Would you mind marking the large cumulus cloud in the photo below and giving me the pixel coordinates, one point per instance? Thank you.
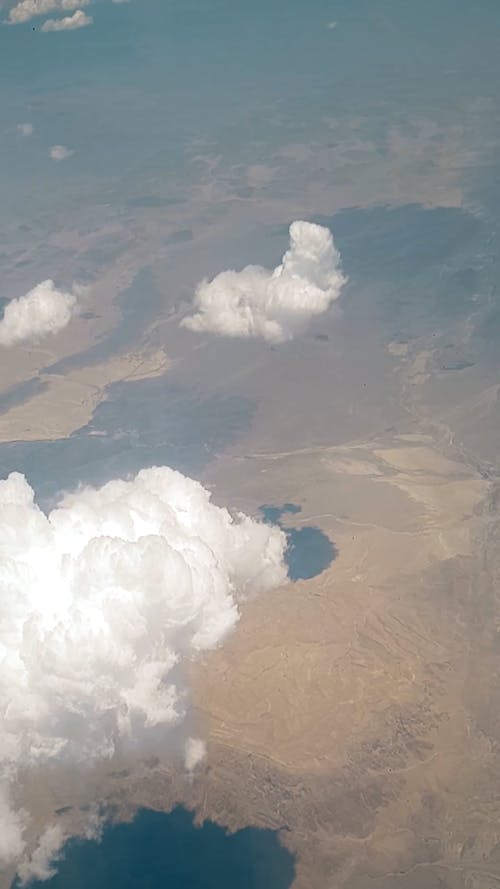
(103, 600)
(274, 305)
(42, 311)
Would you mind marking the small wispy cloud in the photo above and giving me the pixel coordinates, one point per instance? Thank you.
(195, 750)
(40, 864)
(25, 129)
(70, 23)
(60, 152)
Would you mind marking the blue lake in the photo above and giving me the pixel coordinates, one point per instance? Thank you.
(159, 851)
(309, 550)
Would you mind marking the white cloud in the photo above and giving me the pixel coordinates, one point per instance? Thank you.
(94, 824)
(43, 311)
(29, 9)
(40, 865)
(11, 826)
(70, 23)
(274, 305)
(25, 129)
(103, 601)
(195, 751)
(41, 862)
(60, 152)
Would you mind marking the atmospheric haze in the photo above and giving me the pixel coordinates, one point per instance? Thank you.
(275, 305)
(102, 599)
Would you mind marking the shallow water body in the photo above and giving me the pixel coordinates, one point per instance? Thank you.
(309, 550)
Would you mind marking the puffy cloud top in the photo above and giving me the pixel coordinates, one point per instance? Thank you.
(101, 599)
(42, 311)
(274, 305)
(79, 19)
(26, 10)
